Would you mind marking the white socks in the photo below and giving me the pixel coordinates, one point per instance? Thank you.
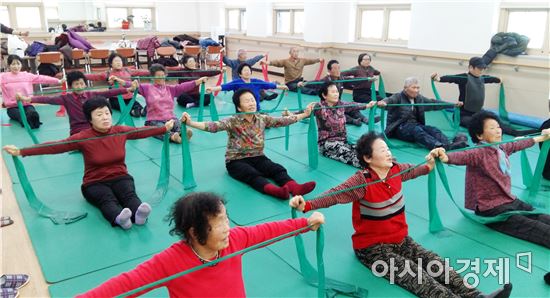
(124, 219)
(142, 213)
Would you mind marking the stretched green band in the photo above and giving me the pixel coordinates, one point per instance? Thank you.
(312, 150)
(338, 81)
(300, 105)
(213, 109)
(201, 103)
(381, 87)
(26, 125)
(188, 179)
(279, 100)
(317, 278)
(164, 176)
(456, 122)
(502, 112)
(537, 176)
(372, 113)
(56, 216)
(123, 108)
(287, 134)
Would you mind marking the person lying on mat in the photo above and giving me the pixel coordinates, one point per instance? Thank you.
(244, 157)
(332, 137)
(471, 88)
(293, 68)
(15, 81)
(488, 188)
(246, 81)
(201, 222)
(122, 75)
(74, 100)
(381, 230)
(106, 183)
(353, 116)
(160, 101)
(408, 123)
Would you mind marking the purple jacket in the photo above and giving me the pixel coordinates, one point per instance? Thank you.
(79, 42)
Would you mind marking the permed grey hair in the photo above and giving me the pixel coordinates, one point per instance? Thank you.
(410, 81)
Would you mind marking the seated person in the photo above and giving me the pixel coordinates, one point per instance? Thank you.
(362, 89)
(488, 188)
(471, 88)
(191, 72)
(379, 220)
(408, 123)
(244, 158)
(331, 125)
(200, 221)
(106, 183)
(73, 101)
(246, 81)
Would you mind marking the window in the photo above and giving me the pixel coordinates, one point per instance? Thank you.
(289, 22)
(236, 19)
(532, 23)
(143, 17)
(5, 16)
(384, 24)
(52, 13)
(28, 17)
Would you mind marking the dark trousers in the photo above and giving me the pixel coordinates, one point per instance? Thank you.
(114, 103)
(112, 196)
(533, 228)
(185, 99)
(293, 86)
(32, 116)
(466, 117)
(158, 123)
(408, 255)
(255, 171)
(425, 135)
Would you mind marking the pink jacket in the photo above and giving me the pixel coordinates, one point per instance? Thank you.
(160, 99)
(21, 82)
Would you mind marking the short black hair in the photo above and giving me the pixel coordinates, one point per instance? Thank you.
(112, 57)
(324, 89)
(94, 103)
(14, 57)
(240, 69)
(364, 146)
(329, 65)
(477, 121)
(193, 211)
(361, 56)
(186, 58)
(237, 97)
(74, 76)
(156, 67)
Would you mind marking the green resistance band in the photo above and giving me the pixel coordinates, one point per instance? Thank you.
(533, 181)
(337, 81)
(26, 125)
(56, 216)
(188, 179)
(209, 264)
(201, 103)
(502, 112)
(279, 100)
(325, 286)
(312, 150)
(164, 177)
(123, 118)
(438, 97)
(381, 87)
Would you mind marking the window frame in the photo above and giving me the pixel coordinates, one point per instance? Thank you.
(503, 26)
(242, 10)
(129, 12)
(13, 15)
(292, 33)
(385, 40)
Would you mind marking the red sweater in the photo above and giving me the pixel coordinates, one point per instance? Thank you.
(103, 157)
(221, 280)
(378, 210)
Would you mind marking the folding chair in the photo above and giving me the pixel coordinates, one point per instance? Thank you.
(97, 60)
(55, 58)
(194, 51)
(79, 60)
(213, 56)
(128, 57)
(168, 52)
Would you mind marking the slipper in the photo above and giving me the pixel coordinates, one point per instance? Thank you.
(13, 281)
(9, 293)
(5, 221)
(5, 218)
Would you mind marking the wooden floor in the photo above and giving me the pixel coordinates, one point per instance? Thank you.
(18, 255)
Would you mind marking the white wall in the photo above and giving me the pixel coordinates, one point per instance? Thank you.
(177, 16)
(453, 25)
(259, 18)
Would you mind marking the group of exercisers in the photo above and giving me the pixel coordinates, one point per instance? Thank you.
(200, 219)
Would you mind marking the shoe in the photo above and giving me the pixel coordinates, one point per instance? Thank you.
(271, 96)
(356, 122)
(455, 145)
(144, 111)
(460, 137)
(5, 221)
(136, 112)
